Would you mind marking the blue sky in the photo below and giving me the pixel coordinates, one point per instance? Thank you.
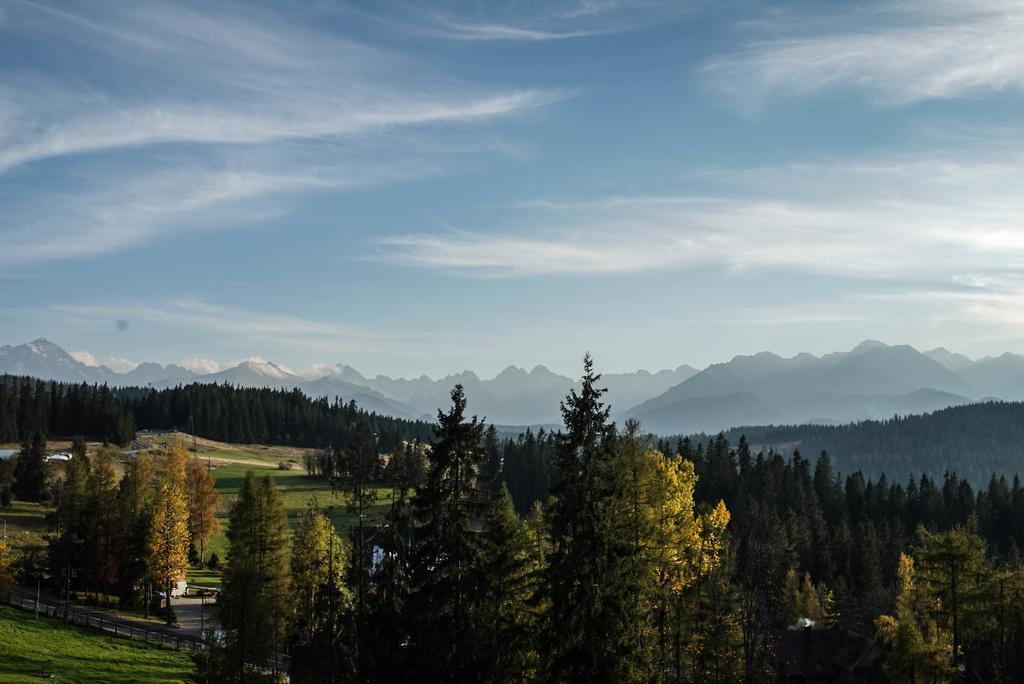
(426, 187)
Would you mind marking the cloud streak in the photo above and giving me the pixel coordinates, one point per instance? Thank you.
(191, 118)
(538, 21)
(911, 218)
(901, 53)
(222, 79)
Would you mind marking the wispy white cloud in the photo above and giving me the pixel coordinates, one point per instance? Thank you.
(540, 21)
(194, 117)
(108, 215)
(898, 52)
(214, 77)
(916, 218)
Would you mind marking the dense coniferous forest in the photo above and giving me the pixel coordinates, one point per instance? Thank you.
(261, 416)
(221, 412)
(29, 406)
(975, 440)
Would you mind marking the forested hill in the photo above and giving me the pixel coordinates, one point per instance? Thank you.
(221, 412)
(974, 440)
(262, 416)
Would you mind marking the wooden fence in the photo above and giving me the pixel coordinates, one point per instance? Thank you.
(118, 628)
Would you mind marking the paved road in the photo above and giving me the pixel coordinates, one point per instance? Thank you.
(193, 616)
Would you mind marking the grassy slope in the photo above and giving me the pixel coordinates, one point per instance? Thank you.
(296, 490)
(77, 654)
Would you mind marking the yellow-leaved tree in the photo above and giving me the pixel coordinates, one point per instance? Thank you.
(202, 504)
(167, 542)
(319, 562)
(920, 647)
(679, 547)
(7, 567)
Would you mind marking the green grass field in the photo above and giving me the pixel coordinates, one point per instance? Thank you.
(76, 654)
(26, 524)
(296, 490)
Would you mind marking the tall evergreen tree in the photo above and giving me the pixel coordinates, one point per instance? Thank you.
(254, 601)
(30, 469)
(446, 549)
(356, 472)
(589, 617)
(507, 617)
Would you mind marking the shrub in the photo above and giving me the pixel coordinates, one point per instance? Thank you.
(214, 561)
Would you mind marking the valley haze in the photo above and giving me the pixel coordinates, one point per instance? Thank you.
(871, 381)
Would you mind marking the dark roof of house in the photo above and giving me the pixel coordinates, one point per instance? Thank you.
(825, 655)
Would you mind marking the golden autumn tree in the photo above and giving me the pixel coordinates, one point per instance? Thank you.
(7, 567)
(202, 504)
(319, 562)
(920, 647)
(167, 541)
(678, 547)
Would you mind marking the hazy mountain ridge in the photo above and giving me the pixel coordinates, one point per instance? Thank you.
(872, 380)
(514, 397)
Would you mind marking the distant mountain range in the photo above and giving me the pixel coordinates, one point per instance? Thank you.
(872, 380)
(513, 397)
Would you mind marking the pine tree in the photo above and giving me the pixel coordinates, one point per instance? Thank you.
(388, 632)
(135, 502)
(30, 469)
(68, 548)
(358, 463)
(446, 549)
(589, 612)
(104, 533)
(507, 619)
(254, 600)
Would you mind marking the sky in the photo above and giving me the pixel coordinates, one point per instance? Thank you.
(427, 187)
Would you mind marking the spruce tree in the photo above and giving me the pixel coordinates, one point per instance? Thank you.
(446, 549)
(387, 606)
(254, 600)
(356, 471)
(30, 469)
(588, 621)
(507, 618)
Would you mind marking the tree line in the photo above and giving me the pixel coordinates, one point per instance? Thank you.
(248, 415)
(29, 406)
(975, 440)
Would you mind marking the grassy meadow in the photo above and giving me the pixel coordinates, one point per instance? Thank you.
(84, 656)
